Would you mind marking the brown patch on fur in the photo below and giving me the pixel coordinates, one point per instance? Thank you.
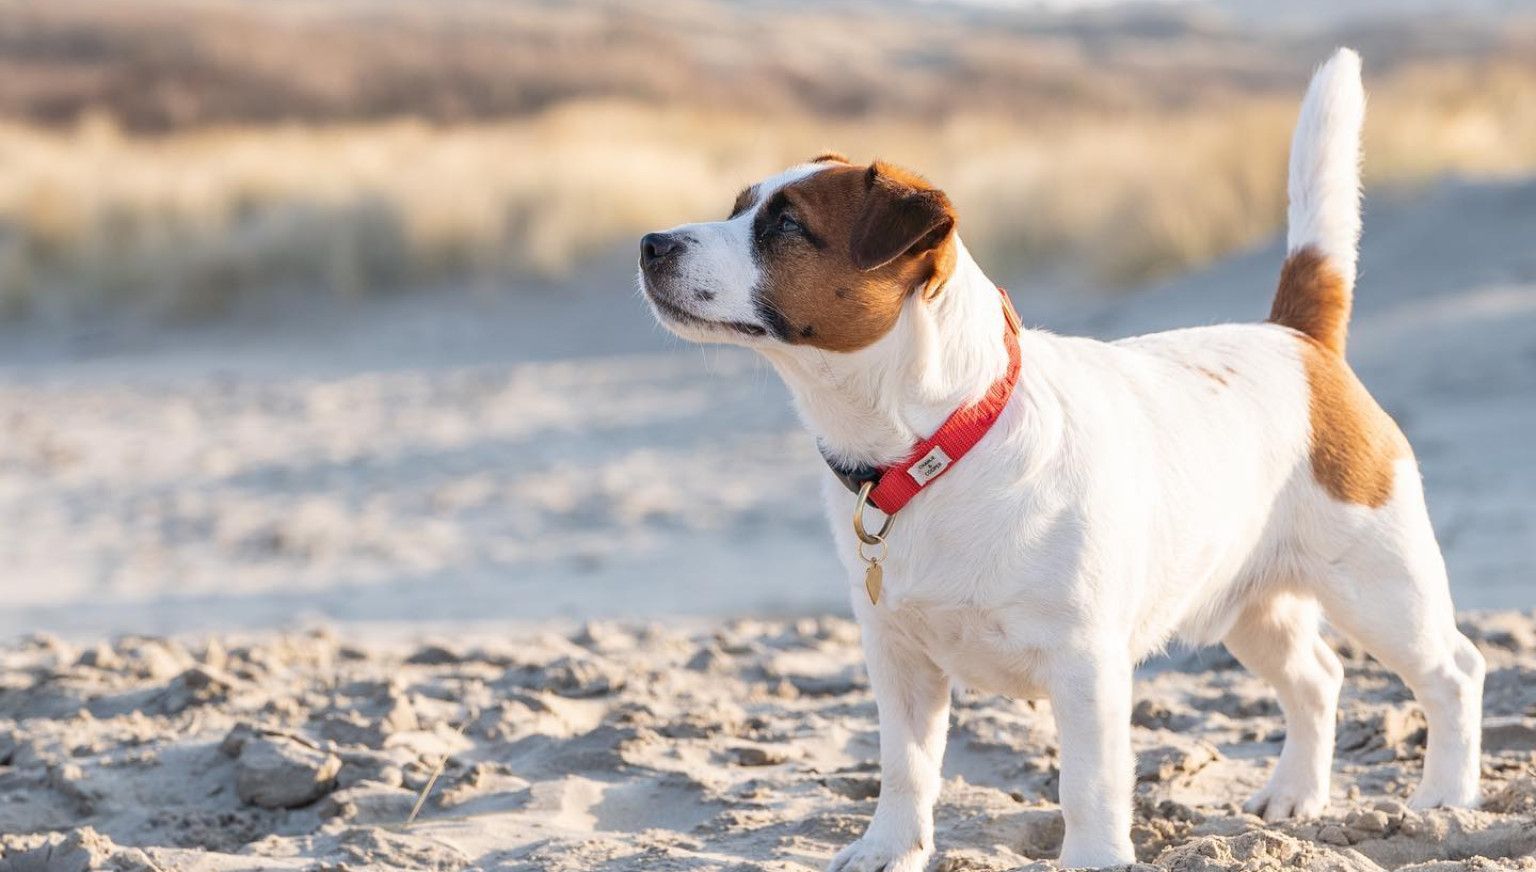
(1213, 375)
(830, 157)
(744, 200)
(1354, 442)
(872, 236)
(1313, 298)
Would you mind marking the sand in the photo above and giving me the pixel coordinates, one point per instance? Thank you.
(750, 746)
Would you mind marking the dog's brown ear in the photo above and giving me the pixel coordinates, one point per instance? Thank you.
(902, 214)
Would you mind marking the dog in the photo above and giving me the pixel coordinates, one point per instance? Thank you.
(1230, 483)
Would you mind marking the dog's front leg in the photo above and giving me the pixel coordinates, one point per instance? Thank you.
(1091, 696)
(912, 696)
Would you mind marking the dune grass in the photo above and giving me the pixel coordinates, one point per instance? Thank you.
(186, 224)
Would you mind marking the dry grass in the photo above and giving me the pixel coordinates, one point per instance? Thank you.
(188, 223)
(264, 147)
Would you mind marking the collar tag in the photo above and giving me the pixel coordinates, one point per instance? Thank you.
(928, 467)
(882, 488)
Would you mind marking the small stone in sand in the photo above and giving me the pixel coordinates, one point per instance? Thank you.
(275, 772)
(1166, 762)
(755, 756)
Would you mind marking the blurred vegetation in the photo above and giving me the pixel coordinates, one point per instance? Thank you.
(179, 157)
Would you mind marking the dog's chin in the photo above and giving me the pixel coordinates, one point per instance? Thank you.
(694, 327)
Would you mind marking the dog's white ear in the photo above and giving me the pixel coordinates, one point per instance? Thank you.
(902, 215)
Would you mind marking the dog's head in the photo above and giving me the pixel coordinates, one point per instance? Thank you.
(822, 255)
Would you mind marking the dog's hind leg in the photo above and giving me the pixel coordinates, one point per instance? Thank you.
(1390, 594)
(1276, 637)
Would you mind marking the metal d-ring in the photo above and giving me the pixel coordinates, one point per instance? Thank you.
(858, 518)
(885, 549)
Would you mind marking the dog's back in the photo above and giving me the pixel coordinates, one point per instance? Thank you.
(1277, 457)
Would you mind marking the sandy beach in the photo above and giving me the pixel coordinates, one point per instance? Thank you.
(356, 514)
(625, 746)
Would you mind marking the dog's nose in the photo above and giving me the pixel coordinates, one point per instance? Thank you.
(657, 247)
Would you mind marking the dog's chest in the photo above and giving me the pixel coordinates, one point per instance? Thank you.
(992, 650)
(979, 592)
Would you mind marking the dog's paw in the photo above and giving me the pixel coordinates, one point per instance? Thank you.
(1116, 852)
(879, 855)
(1449, 795)
(1283, 798)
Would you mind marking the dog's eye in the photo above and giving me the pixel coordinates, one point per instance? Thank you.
(788, 224)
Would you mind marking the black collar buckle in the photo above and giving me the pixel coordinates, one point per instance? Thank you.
(852, 479)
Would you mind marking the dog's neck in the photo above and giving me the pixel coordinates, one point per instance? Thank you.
(871, 406)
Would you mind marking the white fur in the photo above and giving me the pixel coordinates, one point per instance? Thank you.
(1324, 187)
(1131, 493)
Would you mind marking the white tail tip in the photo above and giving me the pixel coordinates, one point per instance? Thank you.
(1324, 184)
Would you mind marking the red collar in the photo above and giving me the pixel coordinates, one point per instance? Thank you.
(929, 459)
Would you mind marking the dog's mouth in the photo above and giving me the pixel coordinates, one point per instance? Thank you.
(670, 311)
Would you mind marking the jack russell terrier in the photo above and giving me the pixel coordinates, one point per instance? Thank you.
(1044, 511)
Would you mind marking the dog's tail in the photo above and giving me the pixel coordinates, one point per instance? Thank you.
(1318, 280)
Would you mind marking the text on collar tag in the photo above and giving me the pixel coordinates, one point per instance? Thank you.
(927, 468)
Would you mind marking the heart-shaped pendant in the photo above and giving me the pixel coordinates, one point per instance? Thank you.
(874, 578)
